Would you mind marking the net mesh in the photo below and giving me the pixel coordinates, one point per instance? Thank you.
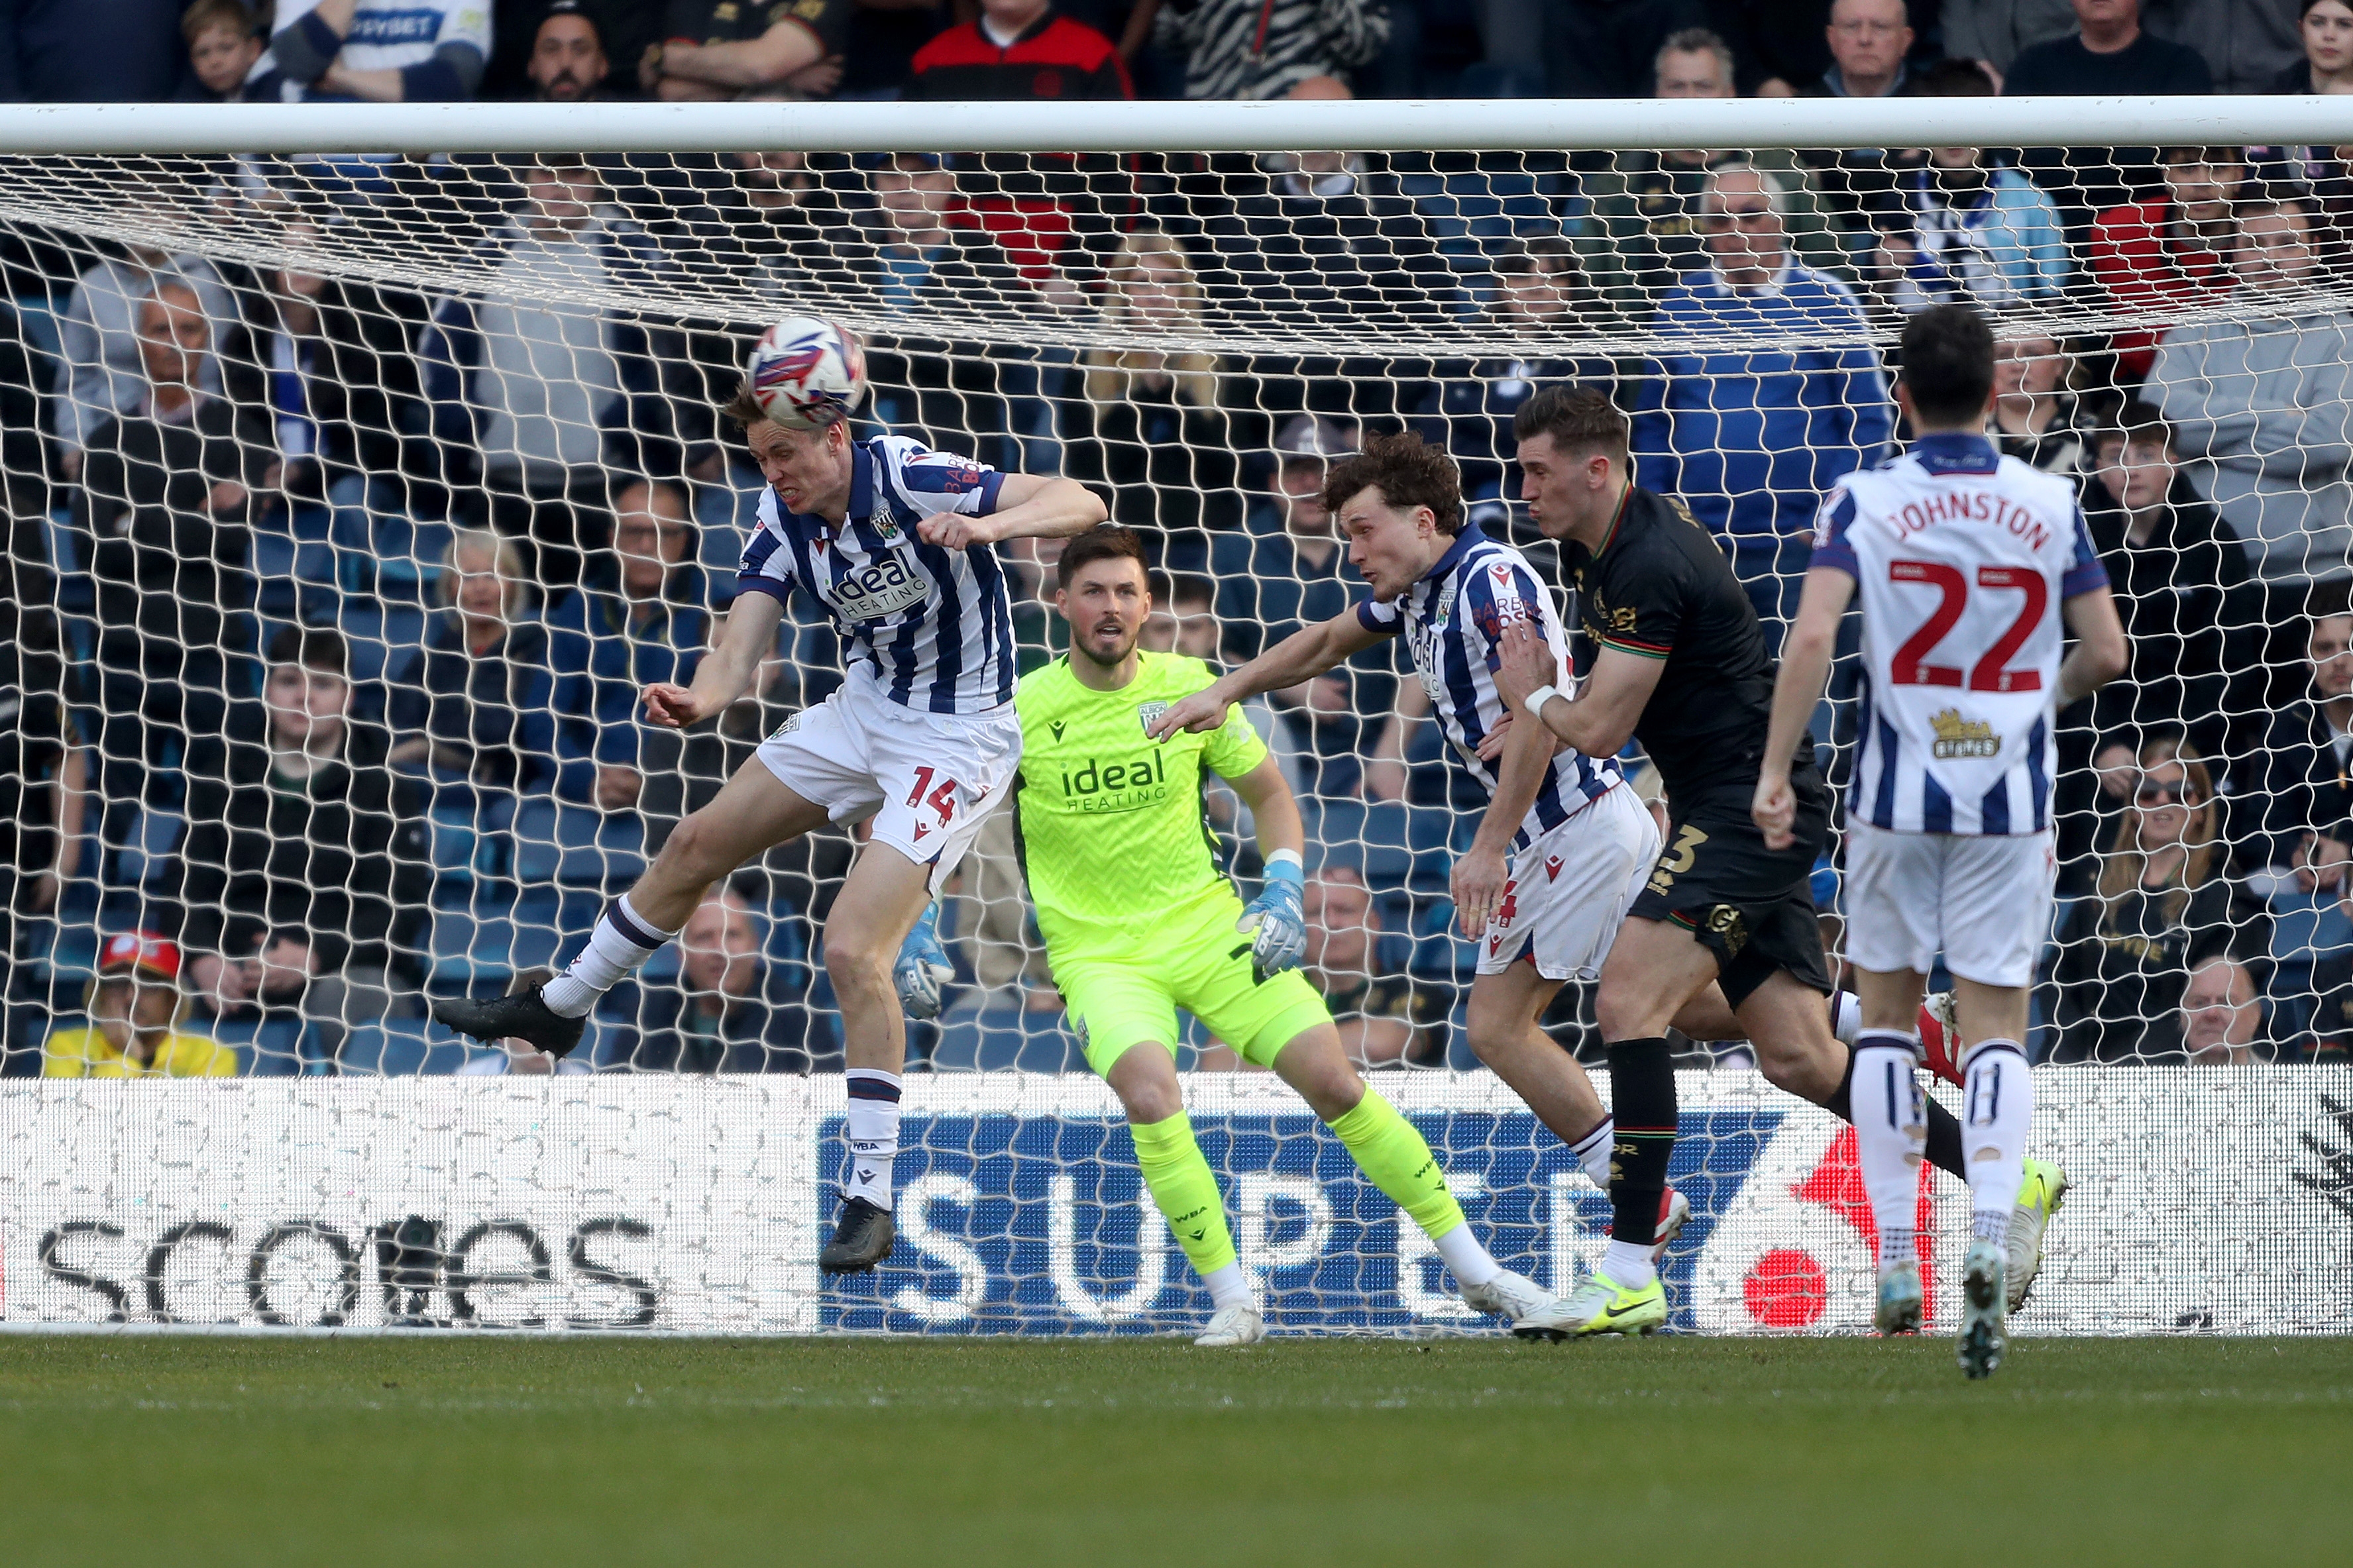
(388, 354)
(403, 348)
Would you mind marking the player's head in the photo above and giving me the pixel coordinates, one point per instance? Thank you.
(809, 469)
(1572, 453)
(1101, 589)
(1398, 503)
(1947, 384)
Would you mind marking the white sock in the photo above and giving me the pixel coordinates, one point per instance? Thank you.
(1846, 1018)
(871, 1127)
(1592, 1152)
(1998, 1110)
(1228, 1287)
(1891, 1134)
(1470, 1260)
(1629, 1264)
(622, 941)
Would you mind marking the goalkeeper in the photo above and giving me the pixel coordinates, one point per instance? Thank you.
(1138, 921)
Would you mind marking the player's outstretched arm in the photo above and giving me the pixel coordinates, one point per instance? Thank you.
(1599, 720)
(1477, 882)
(1277, 917)
(2101, 653)
(1027, 506)
(1302, 656)
(727, 672)
(1806, 656)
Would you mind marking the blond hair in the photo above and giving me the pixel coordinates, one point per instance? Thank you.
(2122, 869)
(501, 549)
(1110, 371)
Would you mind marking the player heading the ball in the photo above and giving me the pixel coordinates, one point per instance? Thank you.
(896, 544)
(1139, 922)
(1971, 568)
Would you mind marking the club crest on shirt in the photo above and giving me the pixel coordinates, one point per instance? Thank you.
(887, 527)
(1445, 606)
(1148, 713)
(1606, 617)
(1959, 737)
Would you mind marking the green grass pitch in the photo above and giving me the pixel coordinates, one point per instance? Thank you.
(949, 1453)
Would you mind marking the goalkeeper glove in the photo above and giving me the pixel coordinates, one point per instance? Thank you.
(922, 967)
(1277, 918)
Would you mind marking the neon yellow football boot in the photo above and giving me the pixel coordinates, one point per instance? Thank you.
(1599, 1306)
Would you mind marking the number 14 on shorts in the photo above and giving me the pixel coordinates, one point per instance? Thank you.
(942, 800)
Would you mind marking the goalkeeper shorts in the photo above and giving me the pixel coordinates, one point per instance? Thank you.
(1199, 962)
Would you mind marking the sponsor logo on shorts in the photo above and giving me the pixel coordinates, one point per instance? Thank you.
(1959, 737)
(1724, 921)
(1552, 868)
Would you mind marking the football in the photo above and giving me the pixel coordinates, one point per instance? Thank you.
(807, 373)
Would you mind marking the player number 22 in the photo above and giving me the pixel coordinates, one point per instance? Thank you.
(1909, 666)
(943, 799)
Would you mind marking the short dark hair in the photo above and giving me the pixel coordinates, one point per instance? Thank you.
(1546, 253)
(1191, 587)
(1953, 79)
(1105, 542)
(1947, 359)
(1576, 417)
(1408, 472)
(313, 647)
(2134, 422)
(207, 14)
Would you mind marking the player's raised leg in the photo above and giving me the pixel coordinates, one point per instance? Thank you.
(754, 812)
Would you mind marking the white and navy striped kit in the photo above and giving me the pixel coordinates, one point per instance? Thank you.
(1962, 560)
(935, 626)
(1451, 620)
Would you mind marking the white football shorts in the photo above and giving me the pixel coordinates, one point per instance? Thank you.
(1981, 899)
(928, 780)
(1569, 890)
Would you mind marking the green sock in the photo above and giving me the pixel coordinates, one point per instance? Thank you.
(1185, 1190)
(1397, 1159)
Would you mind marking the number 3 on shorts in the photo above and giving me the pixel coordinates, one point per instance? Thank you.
(1679, 857)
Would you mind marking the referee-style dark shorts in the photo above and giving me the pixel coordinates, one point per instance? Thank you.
(1751, 906)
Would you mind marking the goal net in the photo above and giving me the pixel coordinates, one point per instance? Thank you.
(353, 498)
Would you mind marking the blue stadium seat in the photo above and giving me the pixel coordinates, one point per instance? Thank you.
(402, 1048)
(383, 638)
(470, 940)
(996, 1039)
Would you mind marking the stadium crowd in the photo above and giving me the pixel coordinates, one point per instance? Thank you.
(331, 600)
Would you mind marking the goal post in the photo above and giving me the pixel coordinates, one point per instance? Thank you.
(408, 415)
